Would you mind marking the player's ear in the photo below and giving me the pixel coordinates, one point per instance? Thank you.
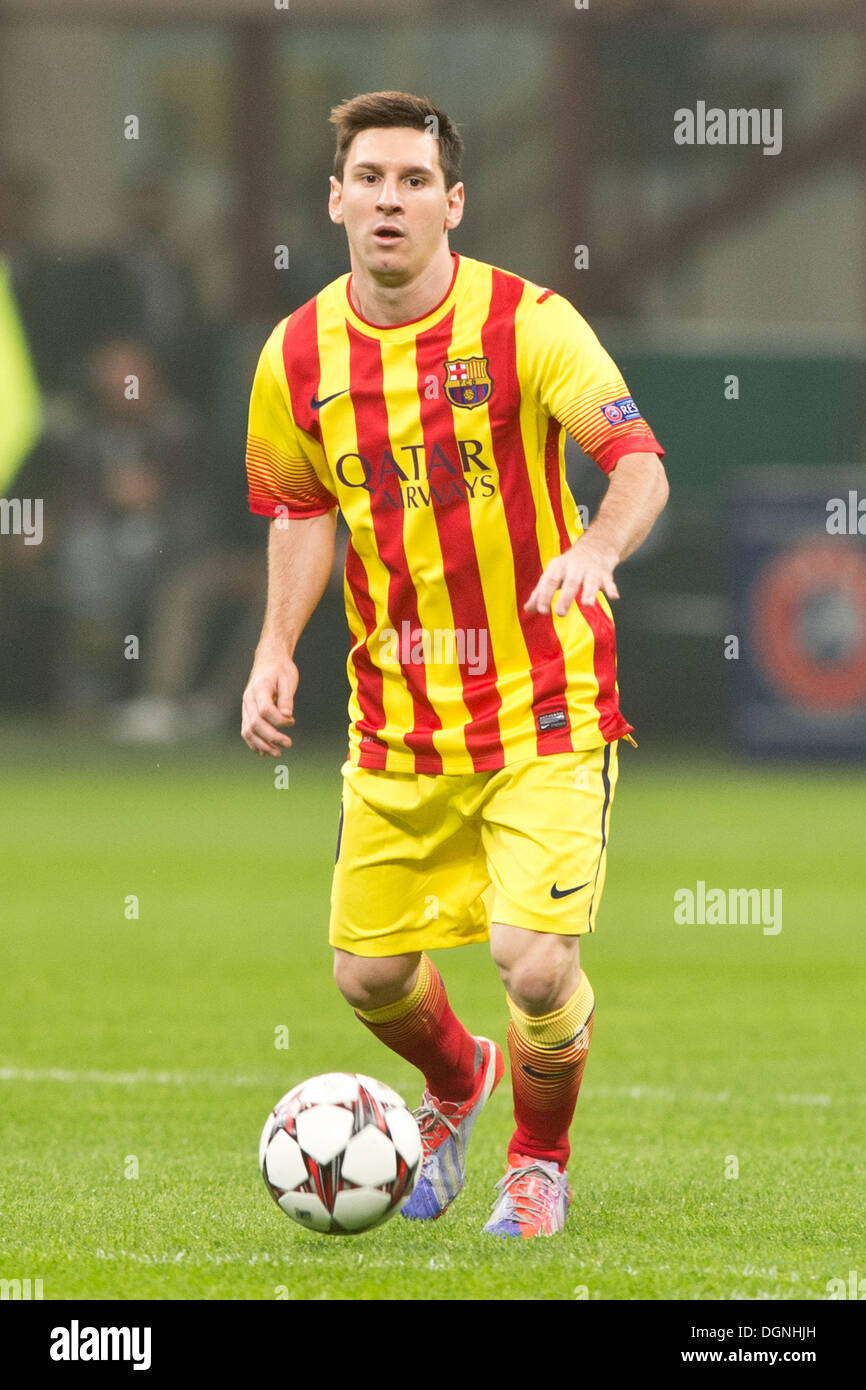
(454, 213)
(335, 200)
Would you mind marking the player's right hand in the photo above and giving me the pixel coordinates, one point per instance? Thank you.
(268, 704)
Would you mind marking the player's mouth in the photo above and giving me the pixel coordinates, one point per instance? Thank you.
(387, 235)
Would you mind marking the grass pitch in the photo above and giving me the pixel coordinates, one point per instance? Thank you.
(717, 1150)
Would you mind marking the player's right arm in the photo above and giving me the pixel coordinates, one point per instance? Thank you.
(288, 481)
(300, 558)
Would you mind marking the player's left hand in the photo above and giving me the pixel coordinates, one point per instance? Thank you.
(580, 572)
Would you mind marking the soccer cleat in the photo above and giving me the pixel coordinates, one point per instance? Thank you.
(533, 1201)
(445, 1131)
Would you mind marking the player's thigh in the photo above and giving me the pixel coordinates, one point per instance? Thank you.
(545, 830)
(410, 873)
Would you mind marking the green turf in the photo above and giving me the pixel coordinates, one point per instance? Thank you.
(711, 1042)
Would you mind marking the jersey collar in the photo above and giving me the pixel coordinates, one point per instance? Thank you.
(395, 331)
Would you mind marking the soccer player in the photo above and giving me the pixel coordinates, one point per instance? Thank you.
(426, 396)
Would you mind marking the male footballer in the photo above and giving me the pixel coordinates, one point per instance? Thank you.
(426, 396)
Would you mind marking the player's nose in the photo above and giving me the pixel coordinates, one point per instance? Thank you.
(389, 198)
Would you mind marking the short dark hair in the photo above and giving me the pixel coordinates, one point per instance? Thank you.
(373, 110)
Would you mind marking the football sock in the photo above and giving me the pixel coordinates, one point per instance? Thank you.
(547, 1061)
(423, 1028)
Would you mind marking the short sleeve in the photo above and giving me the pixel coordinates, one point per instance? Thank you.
(577, 382)
(280, 473)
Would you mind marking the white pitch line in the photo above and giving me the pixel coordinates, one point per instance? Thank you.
(143, 1077)
(706, 1097)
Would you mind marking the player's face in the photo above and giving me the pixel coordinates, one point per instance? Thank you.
(393, 202)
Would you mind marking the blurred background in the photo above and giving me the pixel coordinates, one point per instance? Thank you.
(164, 893)
(152, 157)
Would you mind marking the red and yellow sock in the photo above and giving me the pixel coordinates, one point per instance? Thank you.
(547, 1060)
(423, 1028)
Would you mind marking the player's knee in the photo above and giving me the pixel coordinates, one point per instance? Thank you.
(541, 977)
(535, 988)
(371, 983)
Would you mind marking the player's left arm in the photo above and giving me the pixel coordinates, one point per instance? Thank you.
(636, 495)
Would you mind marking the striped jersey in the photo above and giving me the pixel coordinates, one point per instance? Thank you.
(442, 443)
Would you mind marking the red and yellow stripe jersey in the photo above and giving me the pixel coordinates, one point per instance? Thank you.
(441, 441)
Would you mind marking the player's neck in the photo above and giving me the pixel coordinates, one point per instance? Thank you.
(387, 305)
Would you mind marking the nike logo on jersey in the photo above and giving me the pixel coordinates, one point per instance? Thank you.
(317, 405)
(564, 892)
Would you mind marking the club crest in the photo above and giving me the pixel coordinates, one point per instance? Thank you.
(467, 381)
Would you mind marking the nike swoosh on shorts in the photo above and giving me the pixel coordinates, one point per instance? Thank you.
(564, 892)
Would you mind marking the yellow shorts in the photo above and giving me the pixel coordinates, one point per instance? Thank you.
(428, 861)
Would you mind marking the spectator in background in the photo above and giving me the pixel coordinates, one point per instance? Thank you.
(137, 541)
(74, 299)
(134, 509)
(166, 306)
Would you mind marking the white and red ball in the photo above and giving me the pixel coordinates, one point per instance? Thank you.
(340, 1153)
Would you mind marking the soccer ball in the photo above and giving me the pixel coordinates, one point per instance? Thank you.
(340, 1153)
